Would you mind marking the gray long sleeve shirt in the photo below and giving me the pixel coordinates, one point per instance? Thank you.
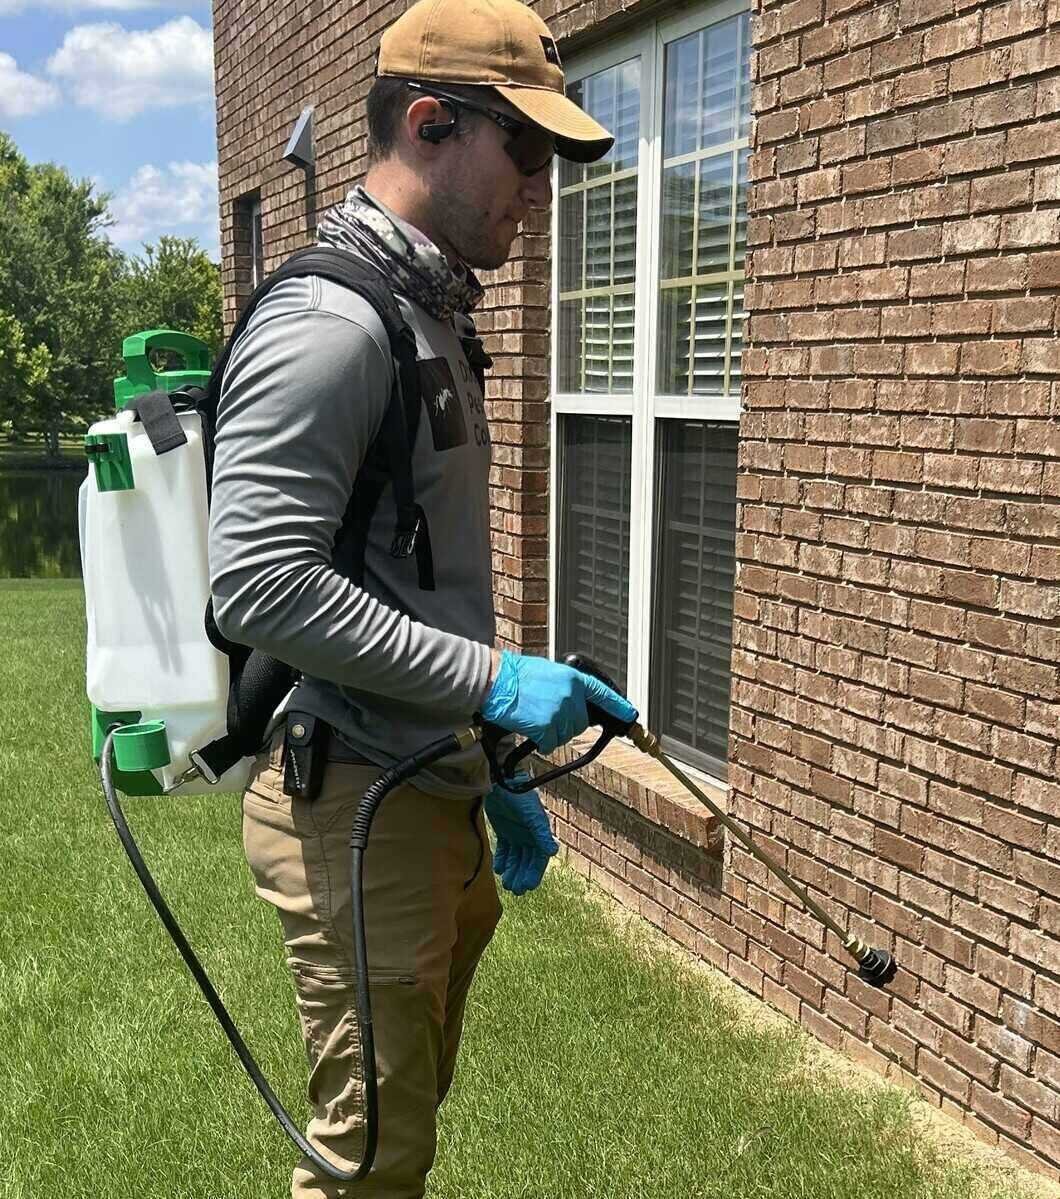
(302, 398)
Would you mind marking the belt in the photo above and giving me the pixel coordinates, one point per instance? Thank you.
(339, 751)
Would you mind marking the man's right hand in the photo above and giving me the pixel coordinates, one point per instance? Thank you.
(546, 701)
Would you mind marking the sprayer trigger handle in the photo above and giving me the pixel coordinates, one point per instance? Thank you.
(597, 716)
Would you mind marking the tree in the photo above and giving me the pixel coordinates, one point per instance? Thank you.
(59, 280)
(73, 297)
(175, 286)
(22, 372)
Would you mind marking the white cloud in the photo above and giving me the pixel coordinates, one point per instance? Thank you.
(23, 95)
(120, 73)
(179, 199)
(9, 8)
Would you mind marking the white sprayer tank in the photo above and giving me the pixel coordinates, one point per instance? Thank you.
(146, 579)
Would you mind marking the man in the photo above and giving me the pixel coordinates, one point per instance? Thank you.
(464, 119)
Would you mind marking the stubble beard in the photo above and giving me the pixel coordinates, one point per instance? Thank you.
(466, 230)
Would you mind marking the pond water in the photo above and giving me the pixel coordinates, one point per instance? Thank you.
(38, 524)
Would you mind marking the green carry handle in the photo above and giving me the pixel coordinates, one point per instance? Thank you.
(140, 377)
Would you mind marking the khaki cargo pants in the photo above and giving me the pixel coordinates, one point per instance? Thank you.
(430, 909)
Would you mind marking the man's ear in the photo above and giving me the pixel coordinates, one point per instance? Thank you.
(429, 120)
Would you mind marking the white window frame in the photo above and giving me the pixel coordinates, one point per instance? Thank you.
(642, 405)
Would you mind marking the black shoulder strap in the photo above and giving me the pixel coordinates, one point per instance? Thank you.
(155, 411)
(397, 435)
(388, 459)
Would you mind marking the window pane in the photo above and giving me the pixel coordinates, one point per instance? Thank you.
(597, 242)
(571, 242)
(622, 343)
(681, 112)
(627, 116)
(736, 338)
(678, 221)
(257, 245)
(743, 102)
(741, 210)
(600, 105)
(692, 625)
(715, 213)
(711, 309)
(593, 583)
(703, 216)
(597, 342)
(625, 230)
(675, 320)
(598, 237)
(721, 67)
(570, 342)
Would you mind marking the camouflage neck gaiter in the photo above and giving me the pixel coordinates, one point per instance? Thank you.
(415, 266)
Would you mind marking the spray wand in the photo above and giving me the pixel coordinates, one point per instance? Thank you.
(875, 966)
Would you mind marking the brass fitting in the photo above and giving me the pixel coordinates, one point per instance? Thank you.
(645, 740)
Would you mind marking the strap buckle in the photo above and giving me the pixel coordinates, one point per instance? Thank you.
(410, 525)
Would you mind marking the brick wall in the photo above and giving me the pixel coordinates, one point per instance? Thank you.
(895, 690)
(895, 714)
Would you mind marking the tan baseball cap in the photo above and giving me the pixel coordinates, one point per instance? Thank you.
(493, 43)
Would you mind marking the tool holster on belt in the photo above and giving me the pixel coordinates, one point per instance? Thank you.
(305, 754)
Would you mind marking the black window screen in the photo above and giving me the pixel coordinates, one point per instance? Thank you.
(593, 567)
(693, 582)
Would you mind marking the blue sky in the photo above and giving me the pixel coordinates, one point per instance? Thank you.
(119, 92)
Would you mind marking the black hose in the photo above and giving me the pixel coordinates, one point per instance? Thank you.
(366, 810)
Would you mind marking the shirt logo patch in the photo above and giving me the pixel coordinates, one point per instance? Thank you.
(551, 51)
(442, 399)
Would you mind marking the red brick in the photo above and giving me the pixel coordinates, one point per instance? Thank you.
(1045, 1139)
(1041, 228)
(980, 70)
(999, 274)
(944, 1076)
(915, 87)
(1034, 946)
(1001, 1112)
(998, 192)
(984, 152)
(1012, 19)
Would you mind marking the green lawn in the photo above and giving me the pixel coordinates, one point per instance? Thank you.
(592, 1066)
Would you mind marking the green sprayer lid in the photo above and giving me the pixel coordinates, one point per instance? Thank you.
(140, 377)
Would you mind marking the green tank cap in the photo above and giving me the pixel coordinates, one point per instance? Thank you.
(143, 746)
(140, 377)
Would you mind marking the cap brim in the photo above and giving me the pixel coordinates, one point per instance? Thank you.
(578, 136)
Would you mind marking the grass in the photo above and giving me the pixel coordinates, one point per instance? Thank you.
(591, 1066)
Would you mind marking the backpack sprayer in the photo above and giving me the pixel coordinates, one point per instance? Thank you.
(165, 695)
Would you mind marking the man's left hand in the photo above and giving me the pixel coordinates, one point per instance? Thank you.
(524, 837)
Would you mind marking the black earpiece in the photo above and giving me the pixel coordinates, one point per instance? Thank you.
(437, 132)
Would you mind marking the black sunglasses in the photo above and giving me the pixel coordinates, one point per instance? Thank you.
(527, 142)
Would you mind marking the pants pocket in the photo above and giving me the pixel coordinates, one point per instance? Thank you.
(326, 999)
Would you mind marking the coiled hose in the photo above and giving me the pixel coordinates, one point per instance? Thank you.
(373, 797)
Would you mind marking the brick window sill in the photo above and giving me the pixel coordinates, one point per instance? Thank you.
(624, 774)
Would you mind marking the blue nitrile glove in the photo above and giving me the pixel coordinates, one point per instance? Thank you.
(524, 837)
(545, 700)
